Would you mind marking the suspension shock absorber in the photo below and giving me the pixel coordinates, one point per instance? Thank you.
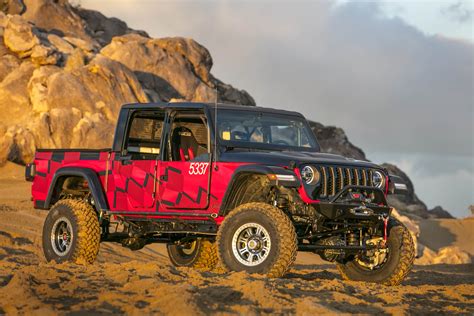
(352, 239)
(282, 202)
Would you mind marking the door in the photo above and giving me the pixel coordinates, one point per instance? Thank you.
(135, 169)
(185, 171)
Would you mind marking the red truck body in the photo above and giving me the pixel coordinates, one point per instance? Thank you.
(131, 187)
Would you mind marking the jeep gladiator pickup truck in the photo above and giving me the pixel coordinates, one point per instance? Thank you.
(242, 187)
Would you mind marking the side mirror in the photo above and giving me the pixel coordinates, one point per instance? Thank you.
(396, 185)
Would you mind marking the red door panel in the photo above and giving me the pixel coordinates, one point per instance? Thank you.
(134, 184)
(183, 185)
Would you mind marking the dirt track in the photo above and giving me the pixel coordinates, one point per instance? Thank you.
(123, 281)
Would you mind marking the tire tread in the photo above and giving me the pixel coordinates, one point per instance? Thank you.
(406, 258)
(88, 230)
(207, 258)
(286, 234)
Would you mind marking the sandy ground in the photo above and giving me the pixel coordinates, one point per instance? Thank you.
(144, 282)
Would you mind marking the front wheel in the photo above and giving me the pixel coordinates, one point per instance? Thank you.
(387, 266)
(71, 232)
(257, 238)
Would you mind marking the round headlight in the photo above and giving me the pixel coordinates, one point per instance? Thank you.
(378, 179)
(310, 175)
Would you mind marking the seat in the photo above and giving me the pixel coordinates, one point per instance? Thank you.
(184, 144)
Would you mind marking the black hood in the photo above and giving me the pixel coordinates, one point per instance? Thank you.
(285, 158)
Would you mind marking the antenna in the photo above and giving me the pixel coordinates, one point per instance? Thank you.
(215, 130)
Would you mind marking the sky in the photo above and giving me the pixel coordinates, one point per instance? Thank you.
(397, 76)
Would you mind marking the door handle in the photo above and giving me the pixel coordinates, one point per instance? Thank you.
(164, 178)
(125, 160)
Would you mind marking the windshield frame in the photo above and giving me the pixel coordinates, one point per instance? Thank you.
(229, 144)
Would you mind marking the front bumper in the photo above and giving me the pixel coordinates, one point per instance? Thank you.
(352, 211)
(370, 204)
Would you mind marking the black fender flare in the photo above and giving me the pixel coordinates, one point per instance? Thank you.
(92, 179)
(256, 169)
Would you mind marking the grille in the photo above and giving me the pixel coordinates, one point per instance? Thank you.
(334, 179)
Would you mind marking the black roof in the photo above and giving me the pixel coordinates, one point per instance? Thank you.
(202, 105)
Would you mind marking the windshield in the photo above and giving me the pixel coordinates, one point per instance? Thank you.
(251, 129)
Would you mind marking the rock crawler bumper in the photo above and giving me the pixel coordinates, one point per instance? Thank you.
(352, 203)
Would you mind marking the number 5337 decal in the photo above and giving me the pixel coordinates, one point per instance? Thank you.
(198, 168)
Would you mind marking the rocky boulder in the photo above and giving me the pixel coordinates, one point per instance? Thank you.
(56, 17)
(439, 212)
(18, 36)
(27, 41)
(172, 68)
(12, 6)
(335, 141)
(102, 28)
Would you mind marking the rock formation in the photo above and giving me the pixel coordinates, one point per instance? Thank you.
(70, 69)
(334, 140)
(439, 212)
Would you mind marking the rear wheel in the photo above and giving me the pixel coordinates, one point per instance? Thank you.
(257, 238)
(388, 266)
(199, 253)
(71, 232)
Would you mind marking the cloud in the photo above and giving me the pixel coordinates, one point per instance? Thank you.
(459, 12)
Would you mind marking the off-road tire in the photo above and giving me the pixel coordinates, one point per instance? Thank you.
(204, 257)
(284, 248)
(399, 262)
(85, 230)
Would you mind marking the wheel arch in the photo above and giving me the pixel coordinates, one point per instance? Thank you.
(61, 175)
(236, 190)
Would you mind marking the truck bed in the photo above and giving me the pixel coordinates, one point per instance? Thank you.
(48, 161)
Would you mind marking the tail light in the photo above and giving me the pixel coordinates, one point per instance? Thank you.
(30, 172)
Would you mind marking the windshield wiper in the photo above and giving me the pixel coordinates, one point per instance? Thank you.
(230, 148)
